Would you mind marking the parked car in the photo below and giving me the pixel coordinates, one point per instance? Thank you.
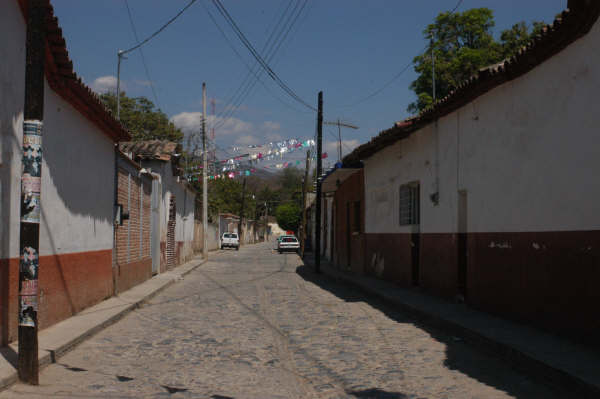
(288, 243)
(230, 240)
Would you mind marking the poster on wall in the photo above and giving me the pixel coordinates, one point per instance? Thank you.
(31, 173)
(28, 310)
(29, 264)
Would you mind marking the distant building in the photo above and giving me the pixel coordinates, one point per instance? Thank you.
(174, 203)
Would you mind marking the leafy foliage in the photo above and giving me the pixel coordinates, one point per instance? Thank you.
(462, 43)
(288, 216)
(142, 119)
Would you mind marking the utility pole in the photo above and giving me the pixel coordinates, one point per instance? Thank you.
(340, 124)
(31, 174)
(304, 189)
(120, 55)
(319, 167)
(433, 69)
(204, 178)
(242, 211)
(266, 221)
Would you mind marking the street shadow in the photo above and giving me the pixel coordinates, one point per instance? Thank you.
(10, 355)
(461, 356)
(376, 393)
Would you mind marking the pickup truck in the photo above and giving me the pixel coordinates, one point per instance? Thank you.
(230, 240)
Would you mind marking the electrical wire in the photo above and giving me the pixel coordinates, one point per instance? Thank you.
(142, 54)
(169, 22)
(269, 49)
(396, 76)
(258, 57)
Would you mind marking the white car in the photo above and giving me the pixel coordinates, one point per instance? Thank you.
(288, 243)
(230, 240)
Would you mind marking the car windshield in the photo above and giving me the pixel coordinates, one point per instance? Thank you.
(229, 235)
(289, 239)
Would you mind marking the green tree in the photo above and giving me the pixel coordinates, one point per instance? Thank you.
(140, 116)
(288, 216)
(462, 43)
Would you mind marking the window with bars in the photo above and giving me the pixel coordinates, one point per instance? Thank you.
(409, 204)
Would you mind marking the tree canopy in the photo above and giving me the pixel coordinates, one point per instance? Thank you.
(463, 43)
(140, 116)
(288, 216)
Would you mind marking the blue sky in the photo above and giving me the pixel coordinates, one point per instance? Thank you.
(346, 48)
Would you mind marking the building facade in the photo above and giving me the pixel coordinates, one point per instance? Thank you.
(491, 196)
(77, 213)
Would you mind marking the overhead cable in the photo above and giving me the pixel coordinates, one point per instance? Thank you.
(140, 44)
(258, 57)
(393, 79)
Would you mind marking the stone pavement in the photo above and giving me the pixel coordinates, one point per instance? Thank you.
(256, 324)
(558, 361)
(54, 341)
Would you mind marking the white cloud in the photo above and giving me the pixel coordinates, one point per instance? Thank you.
(190, 122)
(331, 147)
(247, 139)
(105, 84)
(271, 126)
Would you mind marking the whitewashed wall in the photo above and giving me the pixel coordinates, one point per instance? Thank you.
(527, 153)
(78, 160)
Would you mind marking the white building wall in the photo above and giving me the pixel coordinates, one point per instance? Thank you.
(12, 96)
(77, 202)
(527, 153)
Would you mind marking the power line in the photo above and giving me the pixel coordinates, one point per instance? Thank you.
(140, 44)
(250, 71)
(269, 49)
(393, 79)
(257, 56)
(142, 54)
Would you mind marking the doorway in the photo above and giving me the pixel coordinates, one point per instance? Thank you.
(462, 246)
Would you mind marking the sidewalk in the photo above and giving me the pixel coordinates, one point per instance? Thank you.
(556, 360)
(58, 339)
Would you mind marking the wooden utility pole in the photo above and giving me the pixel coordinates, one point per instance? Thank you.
(204, 179)
(266, 221)
(304, 189)
(340, 124)
(31, 174)
(318, 199)
(242, 211)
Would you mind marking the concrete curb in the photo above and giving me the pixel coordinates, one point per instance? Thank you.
(59, 339)
(528, 363)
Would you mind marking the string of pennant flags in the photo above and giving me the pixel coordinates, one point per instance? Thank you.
(241, 165)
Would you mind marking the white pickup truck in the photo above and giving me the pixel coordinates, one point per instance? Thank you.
(230, 240)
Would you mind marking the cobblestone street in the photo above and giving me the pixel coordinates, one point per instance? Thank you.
(255, 324)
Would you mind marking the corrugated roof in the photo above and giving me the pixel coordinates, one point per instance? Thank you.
(65, 82)
(572, 24)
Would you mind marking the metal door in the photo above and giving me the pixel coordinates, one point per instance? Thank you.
(155, 225)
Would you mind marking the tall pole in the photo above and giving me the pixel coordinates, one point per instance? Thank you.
(119, 56)
(319, 167)
(266, 222)
(204, 178)
(433, 69)
(339, 140)
(242, 211)
(31, 174)
(304, 190)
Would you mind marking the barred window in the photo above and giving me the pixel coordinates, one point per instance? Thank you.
(409, 204)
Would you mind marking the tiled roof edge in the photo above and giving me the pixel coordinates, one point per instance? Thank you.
(64, 81)
(568, 27)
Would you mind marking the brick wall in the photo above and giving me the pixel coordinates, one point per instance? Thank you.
(133, 257)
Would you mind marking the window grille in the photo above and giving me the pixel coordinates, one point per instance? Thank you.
(409, 204)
